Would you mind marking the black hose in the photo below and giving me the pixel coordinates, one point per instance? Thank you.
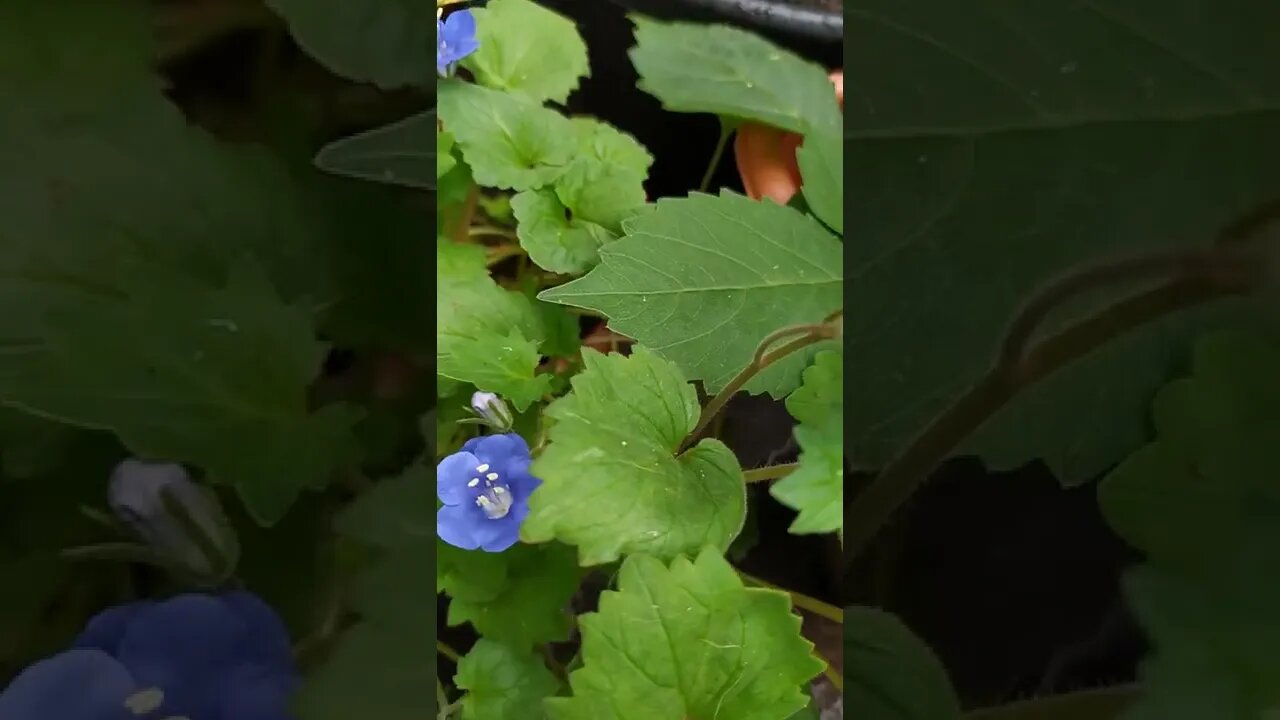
(783, 16)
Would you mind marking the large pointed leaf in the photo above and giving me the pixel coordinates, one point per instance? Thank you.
(702, 280)
(995, 145)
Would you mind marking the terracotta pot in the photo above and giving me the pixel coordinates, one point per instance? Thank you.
(766, 156)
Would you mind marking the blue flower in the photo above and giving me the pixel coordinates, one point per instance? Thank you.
(455, 39)
(202, 657)
(485, 489)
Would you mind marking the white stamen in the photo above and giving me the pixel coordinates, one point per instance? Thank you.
(144, 701)
(474, 482)
(498, 491)
(482, 468)
(492, 477)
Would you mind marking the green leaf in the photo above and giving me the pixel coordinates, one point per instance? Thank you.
(31, 446)
(816, 488)
(376, 672)
(527, 49)
(696, 67)
(1032, 142)
(485, 335)
(890, 674)
(560, 328)
(107, 173)
(474, 576)
(1105, 703)
(510, 142)
(821, 161)
(702, 280)
(444, 154)
(503, 683)
(381, 665)
(688, 641)
(1181, 498)
(611, 482)
(47, 600)
(518, 597)
(1201, 501)
(380, 41)
(396, 154)
(1020, 67)
(227, 368)
(555, 242)
(605, 182)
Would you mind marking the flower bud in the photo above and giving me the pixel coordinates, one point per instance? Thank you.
(180, 521)
(493, 410)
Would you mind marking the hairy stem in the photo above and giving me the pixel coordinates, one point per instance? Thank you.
(763, 358)
(491, 231)
(447, 651)
(1094, 277)
(772, 472)
(502, 252)
(1225, 274)
(800, 600)
(721, 143)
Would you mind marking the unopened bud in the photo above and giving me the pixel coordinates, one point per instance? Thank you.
(493, 410)
(179, 520)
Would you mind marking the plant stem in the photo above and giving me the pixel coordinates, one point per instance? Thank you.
(491, 231)
(721, 143)
(814, 334)
(800, 600)
(502, 252)
(447, 651)
(554, 664)
(765, 474)
(1094, 277)
(1231, 274)
(830, 671)
(442, 700)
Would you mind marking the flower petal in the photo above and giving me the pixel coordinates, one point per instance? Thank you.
(267, 638)
(460, 25)
(254, 692)
(179, 645)
(499, 450)
(455, 524)
(522, 484)
(105, 630)
(498, 535)
(452, 475)
(79, 684)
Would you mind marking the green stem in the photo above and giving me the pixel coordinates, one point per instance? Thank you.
(554, 664)
(1232, 274)
(442, 701)
(765, 474)
(800, 600)
(490, 231)
(763, 359)
(830, 671)
(721, 143)
(501, 253)
(448, 652)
